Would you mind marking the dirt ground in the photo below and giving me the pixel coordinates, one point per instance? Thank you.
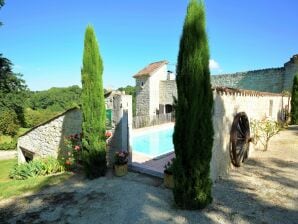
(264, 190)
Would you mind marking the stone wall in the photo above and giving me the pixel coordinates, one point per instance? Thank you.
(267, 80)
(229, 102)
(291, 69)
(168, 90)
(142, 96)
(46, 139)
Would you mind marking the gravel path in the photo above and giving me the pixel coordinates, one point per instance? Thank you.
(9, 154)
(264, 190)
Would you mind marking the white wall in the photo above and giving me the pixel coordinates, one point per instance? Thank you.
(226, 106)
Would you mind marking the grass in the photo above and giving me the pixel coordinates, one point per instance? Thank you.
(10, 187)
(5, 139)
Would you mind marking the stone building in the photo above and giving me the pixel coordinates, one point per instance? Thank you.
(156, 86)
(47, 139)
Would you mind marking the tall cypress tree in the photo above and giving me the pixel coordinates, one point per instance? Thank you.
(294, 101)
(93, 107)
(193, 133)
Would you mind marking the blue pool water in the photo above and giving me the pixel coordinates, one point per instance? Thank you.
(154, 143)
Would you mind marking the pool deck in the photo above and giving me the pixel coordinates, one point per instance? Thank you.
(145, 164)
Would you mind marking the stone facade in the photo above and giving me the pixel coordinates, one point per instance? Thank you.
(48, 138)
(267, 80)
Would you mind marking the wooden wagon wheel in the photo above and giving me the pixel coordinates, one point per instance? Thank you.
(239, 139)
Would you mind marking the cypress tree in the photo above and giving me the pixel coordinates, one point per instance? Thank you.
(193, 132)
(93, 108)
(294, 101)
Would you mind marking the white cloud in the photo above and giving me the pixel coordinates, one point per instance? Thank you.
(213, 65)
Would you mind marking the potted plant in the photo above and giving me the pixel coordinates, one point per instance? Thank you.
(168, 180)
(120, 165)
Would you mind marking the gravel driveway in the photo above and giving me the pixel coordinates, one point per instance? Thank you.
(263, 190)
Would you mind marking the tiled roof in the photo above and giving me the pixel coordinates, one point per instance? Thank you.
(150, 69)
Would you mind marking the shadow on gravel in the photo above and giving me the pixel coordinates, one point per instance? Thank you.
(139, 199)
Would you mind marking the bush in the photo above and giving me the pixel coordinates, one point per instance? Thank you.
(38, 167)
(71, 154)
(264, 130)
(36, 117)
(8, 145)
(9, 124)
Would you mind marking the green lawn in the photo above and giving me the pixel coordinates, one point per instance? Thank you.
(10, 187)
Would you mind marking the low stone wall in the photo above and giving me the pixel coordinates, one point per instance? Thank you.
(47, 138)
(229, 102)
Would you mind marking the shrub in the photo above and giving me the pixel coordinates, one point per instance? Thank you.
(38, 167)
(72, 152)
(36, 117)
(264, 130)
(9, 145)
(9, 124)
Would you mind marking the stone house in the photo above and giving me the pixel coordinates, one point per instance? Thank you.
(156, 86)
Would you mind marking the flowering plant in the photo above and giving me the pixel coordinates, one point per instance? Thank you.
(72, 151)
(108, 134)
(121, 157)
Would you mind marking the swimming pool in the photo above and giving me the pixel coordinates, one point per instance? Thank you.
(154, 143)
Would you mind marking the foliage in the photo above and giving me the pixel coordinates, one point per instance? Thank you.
(9, 124)
(11, 187)
(121, 157)
(264, 130)
(13, 89)
(8, 145)
(294, 101)
(37, 167)
(93, 108)
(36, 117)
(1, 5)
(130, 90)
(71, 153)
(55, 99)
(193, 133)
(168, 168)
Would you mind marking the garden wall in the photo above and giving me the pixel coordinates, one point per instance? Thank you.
(227, 103)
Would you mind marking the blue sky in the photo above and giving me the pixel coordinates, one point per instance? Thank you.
(44, 39)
